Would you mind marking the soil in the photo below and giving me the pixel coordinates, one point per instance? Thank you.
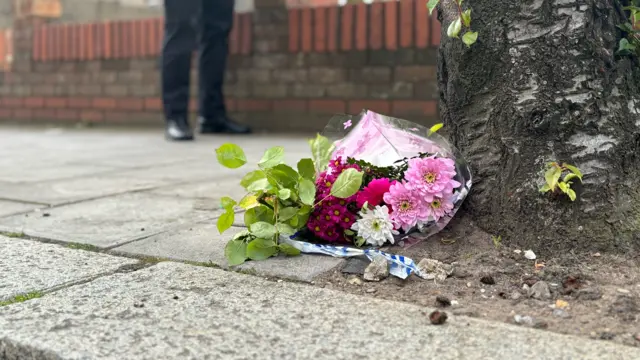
(592, 295)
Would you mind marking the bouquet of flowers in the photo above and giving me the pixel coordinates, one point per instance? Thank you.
(372, 180)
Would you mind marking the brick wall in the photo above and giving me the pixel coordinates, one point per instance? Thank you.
(289, 69)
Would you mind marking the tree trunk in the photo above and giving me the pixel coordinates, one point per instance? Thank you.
(543, 84)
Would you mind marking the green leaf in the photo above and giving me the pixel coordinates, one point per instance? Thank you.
(349, 232)
(305, 209)
(545, 188)
(261, 249)
(283, 176)
(431, 5)
(231, 156)
(225, 221)
(625, 46)
(285, 229)
(321, 149)
(288, 250)
(470, 38)
(287, 213)
(227, 203)
(454, 28)
(306, 169)
(262, 229)
(569, 177)
(574, 170)
(307, 191)
(242, 235)
(249, 201)
(466, 18)
(552, 176)
(252, 177)
(571, 194)
(347, 184)
(272, 157)
(236, 252)
(563, 187)
(435, 128)
(256, 214)
(359, 240)
(284, 194)
(260, 185)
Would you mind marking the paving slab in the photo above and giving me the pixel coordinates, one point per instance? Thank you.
(20, 173)
(111, 221)
(214, 189)
(71, 190)
(28, 266)
(177, 311)
(13, 207)
(203, 243)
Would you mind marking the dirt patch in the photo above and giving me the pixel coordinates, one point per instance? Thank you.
(590, 295)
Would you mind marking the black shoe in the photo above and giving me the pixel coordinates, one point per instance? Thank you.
(222, 125)
(178, 130)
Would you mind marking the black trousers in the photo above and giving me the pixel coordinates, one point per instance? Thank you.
(202, 25)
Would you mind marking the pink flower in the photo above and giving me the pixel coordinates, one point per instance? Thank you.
(408, 207)
(373, 193)
(347, 124)
(440, 207)
(431, 177)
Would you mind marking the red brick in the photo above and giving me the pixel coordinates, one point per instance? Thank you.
(332, 29)
(107, 40)
(294, 30)
(428, 107)
(42, 114)
(423, 22)
(66, 114)
(66, 44)
(435, 30)
(35, 52)
(361, 26)
(91, 116)
(391, 25)
(117, 117)
(79, 102)
(5, 113)
(234, 37)
(246, 33)
(376, 25)
(253, 105)
(154, 103)
(306, 30)
(230, 104)
(346, 28)
(406, 22)
(380, 106)
(139, 38)
(55, 102)
(35, 102)
(130, 104)
(328, 106)
(11, 102)
(103, 103)
(89, 42)
(74, 36)
(290, 105)
(159, 35)
(23, 114)
(320, 29)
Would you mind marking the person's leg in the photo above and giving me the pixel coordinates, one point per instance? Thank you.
(216, 23)
(179, 43)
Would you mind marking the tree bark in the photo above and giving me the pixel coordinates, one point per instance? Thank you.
(543, 84)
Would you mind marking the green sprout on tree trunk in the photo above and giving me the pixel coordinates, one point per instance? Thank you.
(463, 21)
(554, 183)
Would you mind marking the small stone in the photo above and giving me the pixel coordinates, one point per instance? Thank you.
(607, 335)
(469, 284)
(482, 291)
(540, 291)
(355, 281)
(597, 255)
(523, 320)
(561, 313)
(371, 290)
(516, 295)
(517, 251)
(434, 269)
(443, 301)
(438, 317)
(46, 214)
(623, 291)
(460, 273)
(355, 265)
(455, 303)
(487, 279)
(591, 293)
(279, 280)
(176, 297)
(138, 305)
(377, 270)
(141, 229)
(572, 283)
(530, 255)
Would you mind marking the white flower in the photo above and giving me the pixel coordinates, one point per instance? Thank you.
(375, 227)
